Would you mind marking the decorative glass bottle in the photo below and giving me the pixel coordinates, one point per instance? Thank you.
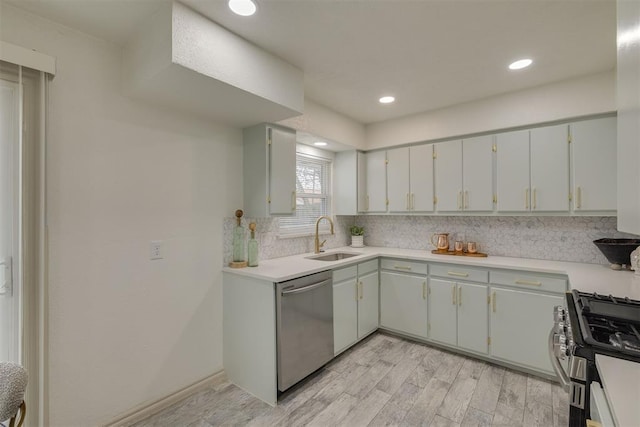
(253, 246)
(238, 239)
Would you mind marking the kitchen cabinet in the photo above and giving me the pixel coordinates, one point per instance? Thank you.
(376, 182)
(269, 171)
(594, 165)
(532, 170)
(458, 311)
(464, 175)
(410, 179)
(521, 317)
(403, 297)
(355, 303)
(349, 188)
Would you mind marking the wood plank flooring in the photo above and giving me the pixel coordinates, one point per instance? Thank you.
(385, 381)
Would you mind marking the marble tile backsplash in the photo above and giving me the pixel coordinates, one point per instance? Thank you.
(272, 246)
(544, 237)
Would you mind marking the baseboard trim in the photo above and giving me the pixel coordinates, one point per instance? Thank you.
(141, 412)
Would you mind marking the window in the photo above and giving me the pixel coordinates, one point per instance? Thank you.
(313, 196)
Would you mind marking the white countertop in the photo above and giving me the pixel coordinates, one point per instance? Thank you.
(621, 378)
(621, 383)
(584, 277)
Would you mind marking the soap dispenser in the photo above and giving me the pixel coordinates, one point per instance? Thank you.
(253, 246)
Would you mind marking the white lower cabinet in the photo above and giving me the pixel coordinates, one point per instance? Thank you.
(403, 302)
(355, 303)
(520, 322)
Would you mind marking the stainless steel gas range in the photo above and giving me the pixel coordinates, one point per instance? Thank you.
(590, 325)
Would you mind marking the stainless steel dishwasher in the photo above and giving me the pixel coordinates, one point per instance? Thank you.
(304, 316)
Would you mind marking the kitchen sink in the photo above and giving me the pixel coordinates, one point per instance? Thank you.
(334, 256)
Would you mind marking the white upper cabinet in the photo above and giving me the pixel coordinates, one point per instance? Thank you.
(398, 180)
(362, 181)
(593, 149)
(477, 174)
(448, 175)
(421, 177)
(550, 169)
(512, 171)
(376, 173)
(410, 179)
(269, 155)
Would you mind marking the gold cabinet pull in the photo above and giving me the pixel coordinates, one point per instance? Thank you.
(528, 282)
(455, 273)
(453, 295)
(424, 290)
(361, 290)
(493, 300)
(535, 198)
(526, 198)
(402, 267)
(579, 198)
(293, 201)
(460, 200)
(460, 296)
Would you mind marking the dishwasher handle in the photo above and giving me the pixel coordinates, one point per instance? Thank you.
(306, 288)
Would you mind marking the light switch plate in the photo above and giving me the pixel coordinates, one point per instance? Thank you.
(155, 250)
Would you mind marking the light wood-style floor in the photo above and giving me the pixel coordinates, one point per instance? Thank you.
(384, 381)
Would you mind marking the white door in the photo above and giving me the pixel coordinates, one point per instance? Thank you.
(376, 182)
(345, 314)
(9, 285)
(421, 177)
(403, 303)
(477, 173)
(473, 311)
(593, 144)
(550, 169)
(368, 304)
(398, 179)
(442, 311)
(282, 172)
(512, 171)
(448, 176)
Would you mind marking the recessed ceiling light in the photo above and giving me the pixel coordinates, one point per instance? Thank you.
(320, 143)
(387, 99)
(520, 64)
(242, 7)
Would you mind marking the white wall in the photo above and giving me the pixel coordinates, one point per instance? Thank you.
(124, 330)
(592, 94)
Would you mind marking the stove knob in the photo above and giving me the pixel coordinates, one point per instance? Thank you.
(560, 351)
(559, 328)
(559, 339)
(559, 314)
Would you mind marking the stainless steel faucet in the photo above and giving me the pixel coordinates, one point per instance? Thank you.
(318, 244)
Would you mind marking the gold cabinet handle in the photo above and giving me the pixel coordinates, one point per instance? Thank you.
(424, 290)
(460, 200)
(526, 198)
(493, 300)
(579, 198)
(466, 199)
(528, 282)
(453, 295)
(460, 296)
(361, 290)
(293, 201)
(454, 273)
(535, 202)
(402, 267)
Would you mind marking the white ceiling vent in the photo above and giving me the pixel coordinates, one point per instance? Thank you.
(181, 59)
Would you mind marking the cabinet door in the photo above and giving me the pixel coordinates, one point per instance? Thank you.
(448, 176)
(477, 174)
(345, 314)
(398, 179)
(473, 317)
(520, 322)
(403, 303)
(282, 172)
(512, 171)
(593, 144)
(362, 182)
(550, 169)
(376, 182)
(368, 304)
(442, 311)
(421, 177)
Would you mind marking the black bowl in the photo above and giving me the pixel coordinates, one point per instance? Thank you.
(617, 251)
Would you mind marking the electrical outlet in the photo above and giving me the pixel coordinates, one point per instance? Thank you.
(155, 250)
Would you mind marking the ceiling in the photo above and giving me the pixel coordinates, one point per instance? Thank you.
(429, 54)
